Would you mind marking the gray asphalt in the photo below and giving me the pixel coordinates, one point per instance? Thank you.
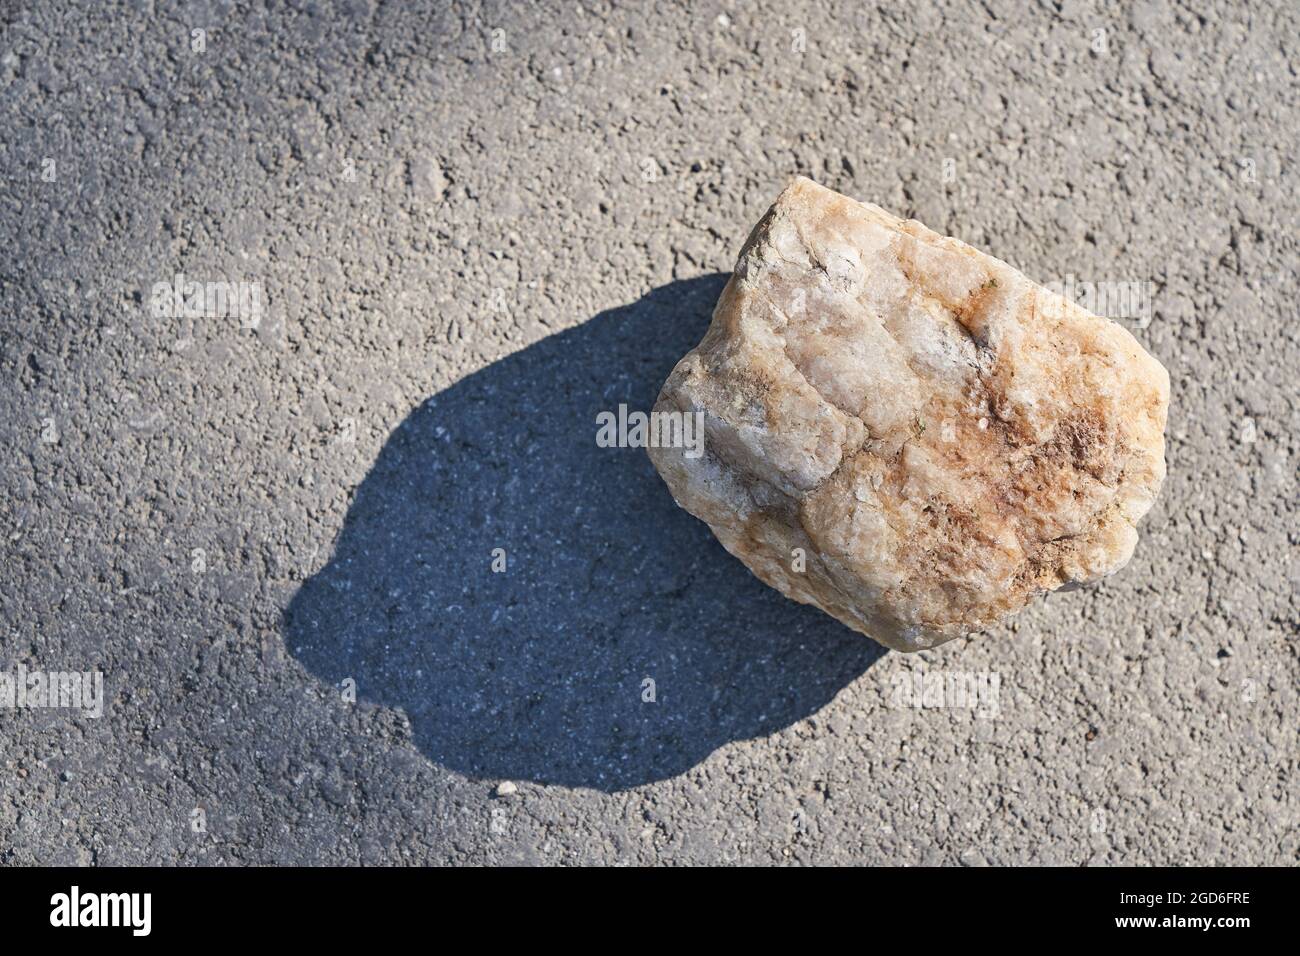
(472, 228)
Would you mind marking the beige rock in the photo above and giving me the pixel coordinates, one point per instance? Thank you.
(908, 433)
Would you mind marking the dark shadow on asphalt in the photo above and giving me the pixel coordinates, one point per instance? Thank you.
(538, 673)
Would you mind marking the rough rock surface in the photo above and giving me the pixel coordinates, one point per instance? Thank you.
(907, 433)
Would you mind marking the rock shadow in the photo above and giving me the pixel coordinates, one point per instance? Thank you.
(538, 673)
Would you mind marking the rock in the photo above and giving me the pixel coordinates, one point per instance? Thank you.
(506, 788)
(907, 433)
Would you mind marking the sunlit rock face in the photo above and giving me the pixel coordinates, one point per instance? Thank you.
(908, 433)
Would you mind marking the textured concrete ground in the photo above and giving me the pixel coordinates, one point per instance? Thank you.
(472, 228)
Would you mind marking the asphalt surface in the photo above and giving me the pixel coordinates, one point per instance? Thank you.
(471, 228)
